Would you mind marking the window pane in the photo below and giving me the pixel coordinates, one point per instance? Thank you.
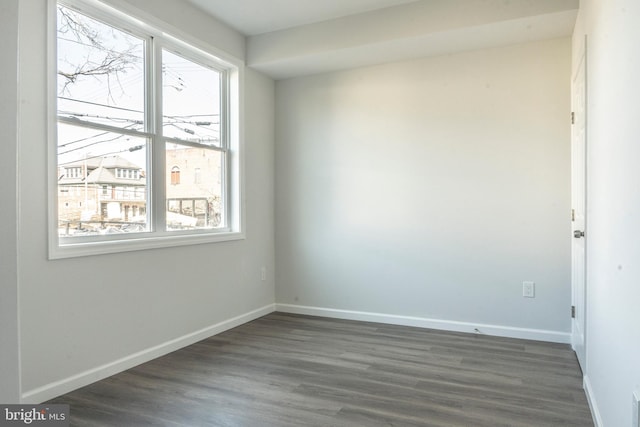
(194, 203)
(190, 100)
(100, 72)
(102, 184)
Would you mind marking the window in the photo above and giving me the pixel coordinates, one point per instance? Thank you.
(127, 173)
(74, 172)
(135, 108)
(175, 175)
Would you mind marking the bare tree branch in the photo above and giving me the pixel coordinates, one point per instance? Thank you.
(109, 62)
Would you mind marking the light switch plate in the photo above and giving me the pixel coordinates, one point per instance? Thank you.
(528, 289)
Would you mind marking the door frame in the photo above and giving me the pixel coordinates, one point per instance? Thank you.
(579, 302)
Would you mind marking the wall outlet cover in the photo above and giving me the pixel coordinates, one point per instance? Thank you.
(528, 289)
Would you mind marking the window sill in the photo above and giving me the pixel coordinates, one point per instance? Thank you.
(81, 249)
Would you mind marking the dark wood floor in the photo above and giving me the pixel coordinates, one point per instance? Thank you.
(290, 370)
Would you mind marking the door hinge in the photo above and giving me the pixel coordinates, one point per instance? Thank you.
(573, 118)
(573, 214)
(573, 311)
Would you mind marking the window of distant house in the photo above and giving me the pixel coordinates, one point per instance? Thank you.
(73, 172)
(136, 108)
(175, 175)
(127, 173)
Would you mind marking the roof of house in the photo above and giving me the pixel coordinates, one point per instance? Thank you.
(106, 161)
(102, 171)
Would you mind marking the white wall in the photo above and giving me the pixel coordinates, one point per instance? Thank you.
(9, 338)
(613, 246)
(85, 317)
(430, 188)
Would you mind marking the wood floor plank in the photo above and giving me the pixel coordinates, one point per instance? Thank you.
(293, 370)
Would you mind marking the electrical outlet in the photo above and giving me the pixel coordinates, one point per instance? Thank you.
(263, 273)
(528, 289)
(635, 420)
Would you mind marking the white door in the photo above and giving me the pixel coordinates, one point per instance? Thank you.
(578, 204)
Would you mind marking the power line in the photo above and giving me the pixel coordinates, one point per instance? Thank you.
(89, 145)
(194, 115)
(84, 146)
(91, 137)
(96, 116)
(82, 139)
(100, 105)
(131, 110)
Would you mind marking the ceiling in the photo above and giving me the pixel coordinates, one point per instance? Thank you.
(290, 38)
(252, 17)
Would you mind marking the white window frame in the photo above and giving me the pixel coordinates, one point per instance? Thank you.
(165, 36)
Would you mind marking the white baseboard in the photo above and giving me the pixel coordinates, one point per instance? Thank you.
(595, 413)
(421, 322)
(49, 391)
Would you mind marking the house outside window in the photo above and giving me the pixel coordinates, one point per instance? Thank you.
(115, 144)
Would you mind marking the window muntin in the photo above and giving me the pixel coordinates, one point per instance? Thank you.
(190, 119)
